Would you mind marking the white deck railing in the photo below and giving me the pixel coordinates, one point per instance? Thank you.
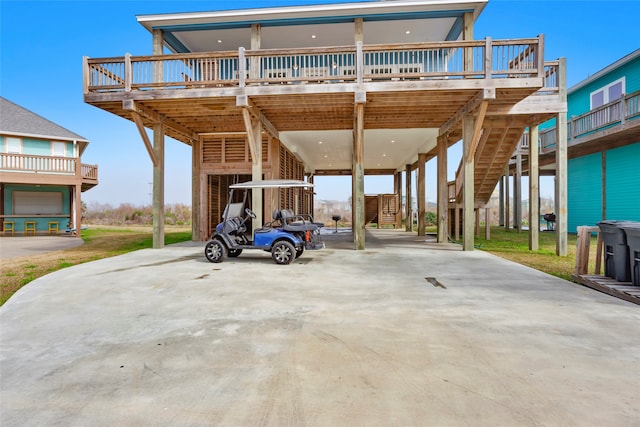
(11, 162)
(488, 59)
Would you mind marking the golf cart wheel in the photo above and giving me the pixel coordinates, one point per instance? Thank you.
(233, 253)
(283, 252)
(215, 251)
(299, 252)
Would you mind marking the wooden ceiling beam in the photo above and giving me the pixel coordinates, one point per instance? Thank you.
(155, 117)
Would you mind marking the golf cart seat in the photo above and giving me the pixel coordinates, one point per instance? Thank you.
(292, 222)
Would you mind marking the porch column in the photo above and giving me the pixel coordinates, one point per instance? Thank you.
(443, 191)
(77, 208)
(397, 188)
(358, 177)
(158, 150)
(422, 160)
(196, 207)
(534, 190)
(407, 207)
(501, 203)
(517, 195)
(561, 165)
(507, 197)
(158, 186)
(468, 186)
(256, 174)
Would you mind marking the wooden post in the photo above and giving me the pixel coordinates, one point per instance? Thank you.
(478, 222)
(561, 166)
(397, 185)
(422, 160)
(487, 224)
(468, 124)
(196, 207)
(501, 202)
(158, 153)
(456, 222)
(77, 195)
(517, 195)
(534, 190)
(507, 198)
(256, 42)
(158, 186)
(407, 207)
(443, 191)
(358, 178)
(582, 250)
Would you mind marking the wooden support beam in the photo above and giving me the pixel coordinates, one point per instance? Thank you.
(517, 195)
(561, 166)
(468, 186)
(507, 198)
(145, 138)
(534, 190)
(487, 223)
(251, 136)
(358, 177)
(196, 191)
(482, 110)
(422, 160)
(443, 190)
(155, 117)
(158, 186)
(408, 196)
(481, 97)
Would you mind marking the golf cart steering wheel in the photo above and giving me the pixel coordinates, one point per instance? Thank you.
(250, 213)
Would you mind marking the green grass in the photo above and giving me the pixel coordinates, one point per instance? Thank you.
(514, 245)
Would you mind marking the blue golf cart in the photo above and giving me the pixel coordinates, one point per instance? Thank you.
(287, 236)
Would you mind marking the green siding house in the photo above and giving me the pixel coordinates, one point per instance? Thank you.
(603, 145)
(41, 175)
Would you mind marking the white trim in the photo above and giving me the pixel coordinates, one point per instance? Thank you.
(605, 90)
(48, 137)
(310, 11)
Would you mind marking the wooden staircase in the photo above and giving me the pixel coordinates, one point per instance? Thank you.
(492, 156)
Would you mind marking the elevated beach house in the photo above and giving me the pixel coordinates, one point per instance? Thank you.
(41, 174)
(353, 89)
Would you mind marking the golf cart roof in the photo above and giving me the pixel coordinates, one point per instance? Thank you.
(272, 183)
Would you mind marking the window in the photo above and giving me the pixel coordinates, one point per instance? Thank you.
(14, 145)
(37, 202)
(58, 149)
(609, 93)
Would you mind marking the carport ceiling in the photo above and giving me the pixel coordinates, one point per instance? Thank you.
(384, 149)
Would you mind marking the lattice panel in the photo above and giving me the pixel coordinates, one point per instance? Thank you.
(212, 151)
(236, 150)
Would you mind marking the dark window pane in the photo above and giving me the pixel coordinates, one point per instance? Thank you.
(597, 99)
(615, 92)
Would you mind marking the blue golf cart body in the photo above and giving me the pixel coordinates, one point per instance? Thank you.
(287, 236)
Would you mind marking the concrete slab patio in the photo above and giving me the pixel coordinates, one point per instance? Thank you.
(340, 337)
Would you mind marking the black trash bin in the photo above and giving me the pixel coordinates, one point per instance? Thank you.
(616, 251)
(632, 232)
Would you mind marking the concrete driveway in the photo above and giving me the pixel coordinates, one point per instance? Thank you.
(17, 246)
(164, 338)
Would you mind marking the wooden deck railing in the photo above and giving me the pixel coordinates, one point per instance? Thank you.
(11, 162)
(609, 115)
(488, 59)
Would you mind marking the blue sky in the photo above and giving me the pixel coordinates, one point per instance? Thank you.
(42, 44)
